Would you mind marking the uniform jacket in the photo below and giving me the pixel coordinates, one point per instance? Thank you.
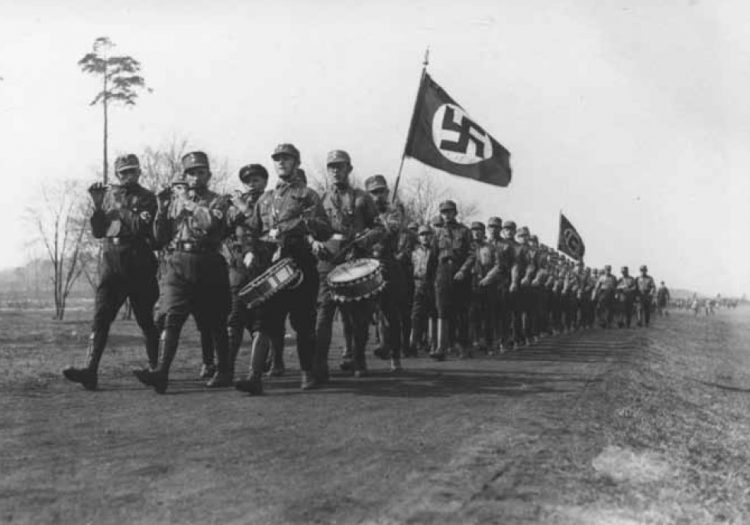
(483, 262)
(646, 286)
(288, 213)
(424, 261)
(352, 212)
(120, 214)
(392, 222)
(453, 242)
(238, 242)
(198, 218)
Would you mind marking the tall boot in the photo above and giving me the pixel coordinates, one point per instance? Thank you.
(159, 378)
(222, 377)
(253, 384)
(207, 352)
(277, 355)
(152, 349)
(234, 342)
(88, 375)
(443, 333)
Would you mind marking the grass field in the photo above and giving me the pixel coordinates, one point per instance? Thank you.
(622, 426)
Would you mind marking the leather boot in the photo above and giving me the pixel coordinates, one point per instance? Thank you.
(159, 378)
(442, 340)
(222, 378)
(88, 376)
(152, 350)
(277, 356)
(207, 351)
(234, 341)
(253, 384)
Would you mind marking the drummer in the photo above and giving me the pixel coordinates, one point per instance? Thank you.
(355, 228)
(288, 217)
(254, 178)
(392, 300)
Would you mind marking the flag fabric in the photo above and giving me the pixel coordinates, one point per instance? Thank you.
(569, 241)
(442, 135)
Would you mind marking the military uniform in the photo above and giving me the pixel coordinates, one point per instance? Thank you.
(485, 270)
(235, 246)
(392, 301)
(605, 296)
(407, 241)
(285, 220)
(646, 289)
(424, 261)
(128, 268)
(505, 254)
(197, 282)
(626, 289)
(354, 219)
(452, 243)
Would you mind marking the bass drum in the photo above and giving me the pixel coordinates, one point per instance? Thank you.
(356, 280)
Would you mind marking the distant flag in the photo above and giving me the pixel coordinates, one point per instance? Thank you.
(442, 135)
(569, 242)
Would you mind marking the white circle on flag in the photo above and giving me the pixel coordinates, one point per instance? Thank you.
(458, 138)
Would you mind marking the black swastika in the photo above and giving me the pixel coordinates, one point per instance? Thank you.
(464, 134)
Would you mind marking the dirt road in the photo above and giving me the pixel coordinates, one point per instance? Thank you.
(622, 426)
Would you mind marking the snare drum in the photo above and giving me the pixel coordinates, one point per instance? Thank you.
(356, 280)
(284, 274)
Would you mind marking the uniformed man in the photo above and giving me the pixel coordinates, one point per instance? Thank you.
(502, 306)
(604, 292)
(254, 178)
(407, 241)
(526, 267)
(626, 287)
(287, 221)
(392, 300)
(646, 290)
(354, 219)
(123, 216)
(197, 279)
(179, 188)
(485, 271)
(452, 243)
(662, 299)
(424, 261)
(432, 323)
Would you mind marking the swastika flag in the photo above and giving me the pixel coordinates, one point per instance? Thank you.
(569, 242)
(442, 135)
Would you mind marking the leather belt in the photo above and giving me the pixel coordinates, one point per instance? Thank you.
(194, 247)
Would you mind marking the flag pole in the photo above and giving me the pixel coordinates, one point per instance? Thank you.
(425, 63)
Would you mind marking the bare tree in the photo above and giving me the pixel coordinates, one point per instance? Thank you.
(120, 81)
(421, 197)
(60, 231)
(160, 165)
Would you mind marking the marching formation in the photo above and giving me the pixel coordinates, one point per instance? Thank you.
(255, 259)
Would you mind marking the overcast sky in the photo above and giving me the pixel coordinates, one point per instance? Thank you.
(632, 117)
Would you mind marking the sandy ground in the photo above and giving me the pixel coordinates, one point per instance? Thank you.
(621, 426)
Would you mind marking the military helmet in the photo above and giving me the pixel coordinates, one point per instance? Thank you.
(424, 229)
(494, 222)
(477, 225)
(510, 225)
(644, 268)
